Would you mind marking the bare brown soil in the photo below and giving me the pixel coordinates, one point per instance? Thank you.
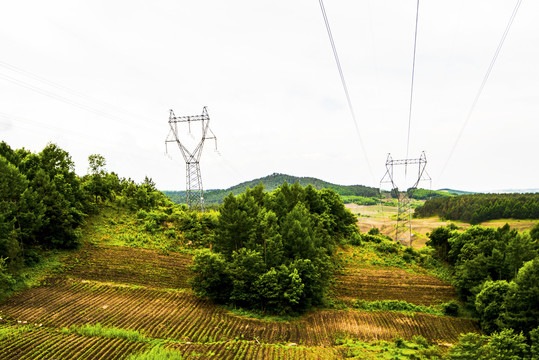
(393, 284)
(44, 343)
(184, 317)
(126, 265)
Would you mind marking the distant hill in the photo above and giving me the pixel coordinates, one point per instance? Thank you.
(273, 181)
(456, 192)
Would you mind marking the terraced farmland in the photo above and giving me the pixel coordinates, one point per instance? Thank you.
(393, 284)
(147, 292)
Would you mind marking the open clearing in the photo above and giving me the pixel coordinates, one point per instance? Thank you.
(371, 216)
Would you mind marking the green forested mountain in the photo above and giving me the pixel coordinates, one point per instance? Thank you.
(272, 182)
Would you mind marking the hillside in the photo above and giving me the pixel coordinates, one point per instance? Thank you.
(119, 299)
(271, 182)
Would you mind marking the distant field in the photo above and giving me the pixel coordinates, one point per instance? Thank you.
(381, 217)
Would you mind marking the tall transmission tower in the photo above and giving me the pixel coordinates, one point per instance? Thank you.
(194, 190)
(403, 228)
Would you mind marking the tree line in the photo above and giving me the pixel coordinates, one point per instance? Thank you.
(43, 203)
(496, 272)
(477, 208)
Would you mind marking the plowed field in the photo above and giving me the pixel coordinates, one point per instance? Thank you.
(132, 289)
(392, 284)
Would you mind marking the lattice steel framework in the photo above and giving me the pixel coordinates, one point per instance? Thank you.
(403, 227)
(194, 190)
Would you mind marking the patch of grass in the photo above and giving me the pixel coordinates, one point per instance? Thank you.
(395, 305)
(7, 331)
(98, 330)
(383, 254)
(417, 348)
(157, 353)
(259, 315)
(50, 264)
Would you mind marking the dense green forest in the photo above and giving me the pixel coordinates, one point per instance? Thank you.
(496, 272)
(477, 208)
(43, 203)
(273, 252)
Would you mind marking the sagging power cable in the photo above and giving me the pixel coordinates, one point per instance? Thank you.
(345, 88)
(483, 83)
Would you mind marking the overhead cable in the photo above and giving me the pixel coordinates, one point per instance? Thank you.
(412, 85)
(341, 74)
(483, 83)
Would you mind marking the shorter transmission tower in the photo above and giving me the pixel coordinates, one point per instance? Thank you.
(403, 228)
(194, 190)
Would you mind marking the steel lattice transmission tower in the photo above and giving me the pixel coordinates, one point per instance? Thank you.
(403, 228)
(194, 190)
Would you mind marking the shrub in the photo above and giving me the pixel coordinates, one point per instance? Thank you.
(451, 308)
(388, 247)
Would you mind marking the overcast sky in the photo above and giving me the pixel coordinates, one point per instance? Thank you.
(100, 77)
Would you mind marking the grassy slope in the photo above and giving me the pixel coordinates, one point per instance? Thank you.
(139, 286)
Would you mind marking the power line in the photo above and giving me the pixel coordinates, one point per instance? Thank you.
(412, 85)
(341, 74)
(88, 105)
(483, 83)
(66, 89)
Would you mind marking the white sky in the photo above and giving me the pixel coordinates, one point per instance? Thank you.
(100, 77)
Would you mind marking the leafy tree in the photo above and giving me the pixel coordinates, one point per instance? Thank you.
(96, 183)
(489, 304)
(506, 345)
(469, 347)
(503, 345)
(97, 164)
(522, 300)
(534, 232)
(439, 239)
(211, 277)
(274, 249)
(534, 344)
(6, 280)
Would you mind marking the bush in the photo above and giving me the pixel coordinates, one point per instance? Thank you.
(355, 240)
(451, 308)
(6, 281)
(371, 238)
(388, 247)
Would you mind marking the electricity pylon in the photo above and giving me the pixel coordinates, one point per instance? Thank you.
(403, 228)
(194, 190)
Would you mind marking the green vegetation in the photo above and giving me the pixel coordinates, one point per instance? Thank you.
(417, 348)
(351, 192)
(44, 204)
(273, 251)
(267, 256)
(157, 353)
(107, 332)
(496, 272)
(395, 305)
(424, 194)
(477, 208)
(502, 345)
